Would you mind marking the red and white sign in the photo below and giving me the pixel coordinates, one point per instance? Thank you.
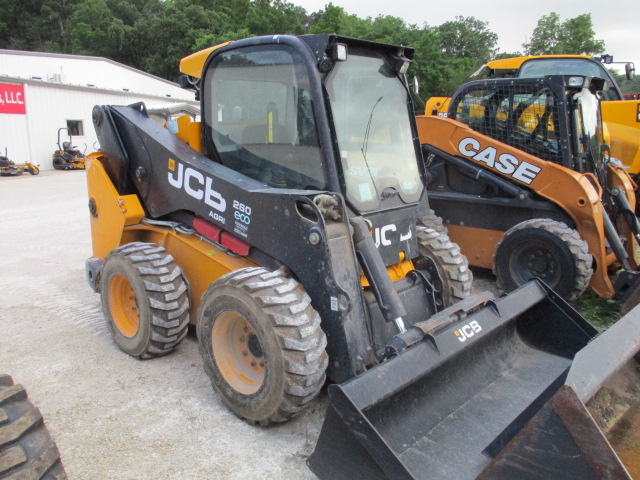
(12, 99)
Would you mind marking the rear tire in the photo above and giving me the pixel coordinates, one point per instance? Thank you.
(545, 249)
(60, 163)
(145, 300)
(26, 448)
(448, 268)
(262, 345)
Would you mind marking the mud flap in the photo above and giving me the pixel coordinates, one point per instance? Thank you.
(472, 399)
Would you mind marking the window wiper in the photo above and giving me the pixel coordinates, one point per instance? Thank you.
(365, 144)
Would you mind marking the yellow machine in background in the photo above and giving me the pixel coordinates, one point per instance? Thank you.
(67, 157)
(9, 167)
(621, 117)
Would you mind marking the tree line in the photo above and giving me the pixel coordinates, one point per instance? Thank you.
(153, 35)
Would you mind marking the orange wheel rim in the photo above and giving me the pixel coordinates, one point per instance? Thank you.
(238, 353)
(123, 306)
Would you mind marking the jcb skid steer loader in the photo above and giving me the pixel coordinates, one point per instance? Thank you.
(287, 227)
(520, 173)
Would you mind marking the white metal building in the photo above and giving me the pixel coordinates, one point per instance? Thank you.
(41, 93)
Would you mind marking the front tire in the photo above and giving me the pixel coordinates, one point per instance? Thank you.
(433, 221)
(447, 266)
(262, 345)
(145, 300)
(545, 249)
(26, 448)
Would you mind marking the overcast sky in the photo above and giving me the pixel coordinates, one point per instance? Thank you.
(617, 22)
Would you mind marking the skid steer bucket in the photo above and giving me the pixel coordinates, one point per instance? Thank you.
(499, 393)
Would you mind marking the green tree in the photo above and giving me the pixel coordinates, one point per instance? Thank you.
(275, 16)
(627, 86)
(90, 29)
(334, 19)
(577, 36)
(34, 24)
(168, 32)
(468, 37)
(573, 36)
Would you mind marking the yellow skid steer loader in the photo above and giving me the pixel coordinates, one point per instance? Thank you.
(288, 227)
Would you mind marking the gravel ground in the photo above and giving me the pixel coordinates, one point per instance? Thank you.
(114, 417)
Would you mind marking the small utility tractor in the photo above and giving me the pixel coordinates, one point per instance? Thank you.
(67, 157)
(10, 168)
(289, 228)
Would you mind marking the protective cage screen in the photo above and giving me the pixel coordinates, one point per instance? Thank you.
(522, 116)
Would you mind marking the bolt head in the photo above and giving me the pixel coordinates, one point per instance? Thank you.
(314, 238)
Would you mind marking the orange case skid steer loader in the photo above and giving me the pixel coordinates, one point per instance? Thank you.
(621, 117)
(287, 228)
(520, 174)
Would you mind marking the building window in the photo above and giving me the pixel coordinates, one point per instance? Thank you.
(75, 128)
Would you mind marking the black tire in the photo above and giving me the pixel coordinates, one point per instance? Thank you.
(447, 266)
(545, 249)
(433, 221)
(26, 448)
(262, 345)
(33, 170)
(145, 300)
(59, 163)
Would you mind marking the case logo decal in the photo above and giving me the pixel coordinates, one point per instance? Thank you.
(504, 163)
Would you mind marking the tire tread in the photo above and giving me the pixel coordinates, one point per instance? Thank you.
(167, 293)
(27, 451)
(297, 327)
(578, 247)
(452, 265)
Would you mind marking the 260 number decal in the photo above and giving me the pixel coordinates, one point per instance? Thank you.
(242, 212)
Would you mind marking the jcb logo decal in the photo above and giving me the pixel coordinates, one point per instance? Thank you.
(503, 163)
(380, 235)
(195, 184)
(468, 331)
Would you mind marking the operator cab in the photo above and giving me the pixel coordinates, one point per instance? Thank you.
(316, 112)
(544, 65)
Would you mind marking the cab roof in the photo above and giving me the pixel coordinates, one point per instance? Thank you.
(514, 63)
(193, 64)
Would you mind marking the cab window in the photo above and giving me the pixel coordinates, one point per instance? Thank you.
(261, 116)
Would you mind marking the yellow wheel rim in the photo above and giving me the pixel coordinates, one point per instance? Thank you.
(123, 306)
(238, 353)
